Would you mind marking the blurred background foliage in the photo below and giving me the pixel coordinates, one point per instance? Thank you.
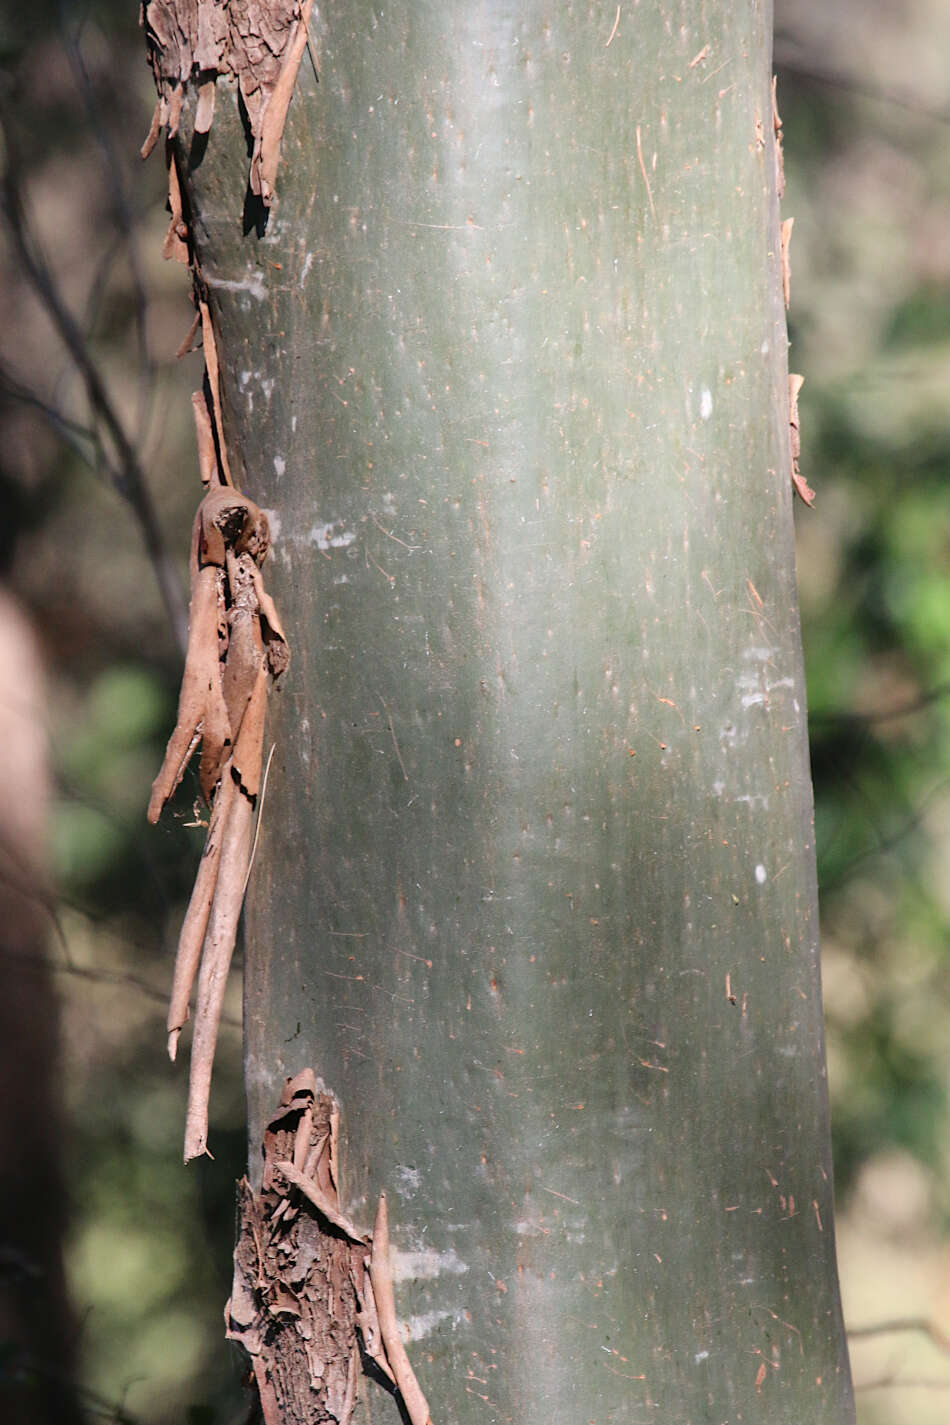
(865, 97)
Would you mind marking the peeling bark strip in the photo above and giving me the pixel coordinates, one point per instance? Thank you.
(235, 645)
(260, 43)
(779, 147)
(795, 384)
(303, 1304)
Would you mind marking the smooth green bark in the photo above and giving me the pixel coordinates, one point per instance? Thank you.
(535, 892)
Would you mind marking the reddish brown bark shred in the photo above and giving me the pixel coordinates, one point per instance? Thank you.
(294, 1305)
(306, 1280)
(802, 486)
(302, 1301)
(235, 645)
(259, 43)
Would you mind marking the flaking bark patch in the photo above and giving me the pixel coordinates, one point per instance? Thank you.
(260, 43)
(294, 1305)
(312, 1294)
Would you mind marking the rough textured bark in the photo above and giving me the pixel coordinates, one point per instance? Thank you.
(294, 1306)
(535, 888)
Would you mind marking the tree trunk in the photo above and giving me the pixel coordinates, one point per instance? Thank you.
(38, 1331)
(535, 889)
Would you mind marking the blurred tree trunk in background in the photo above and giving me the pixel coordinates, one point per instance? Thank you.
(37, 1329)
(535, 889)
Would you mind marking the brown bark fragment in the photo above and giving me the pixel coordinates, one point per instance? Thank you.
(381, 1277)
(805, 492)
(207, 456)
(175, 247)
(259, 43)
(249, 748)
(204, 113)
(188, 342)
(236, 642)
(235, 645)
(294, 1303)
(196, 917)
(216, 955)
(307, 1281)
(226, 520)
(200, 703)
(787, 227)
(266, 159)
(155, 128)
(779, 147)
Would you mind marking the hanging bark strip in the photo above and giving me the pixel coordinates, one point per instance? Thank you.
(795, 383)
(779, 147)
(804, 490)
(311, 1293)
(235, 646)
(259, 43)
(306, 1280)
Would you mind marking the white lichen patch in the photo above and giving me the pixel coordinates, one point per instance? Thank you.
(252, 285)
(406, 1179)
(331, 535)
(416, 1327)
(426, 1265)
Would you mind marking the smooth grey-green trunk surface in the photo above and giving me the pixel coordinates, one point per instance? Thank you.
(535, 890)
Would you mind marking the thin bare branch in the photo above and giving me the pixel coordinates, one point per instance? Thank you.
(794, 60)
(82, 439)
(895, 1382)
(130, 479)
(902, 1324)
(869, 719)
(124, 217)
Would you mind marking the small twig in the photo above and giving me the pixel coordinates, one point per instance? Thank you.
(868, 719)
(908, 1382)
(380, 1273)
(74, 433)
(643, 170)
(130, 477)
(260, 813)
(392, 733)
(903, 1323)
(394, 537)
(614, 30)
(123, 216)
(310, 52)
(26, 961)
(887, 843)
(807, 68)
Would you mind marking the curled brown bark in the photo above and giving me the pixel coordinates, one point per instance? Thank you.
(311, 1292)
(235, 645)
(260, 43)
